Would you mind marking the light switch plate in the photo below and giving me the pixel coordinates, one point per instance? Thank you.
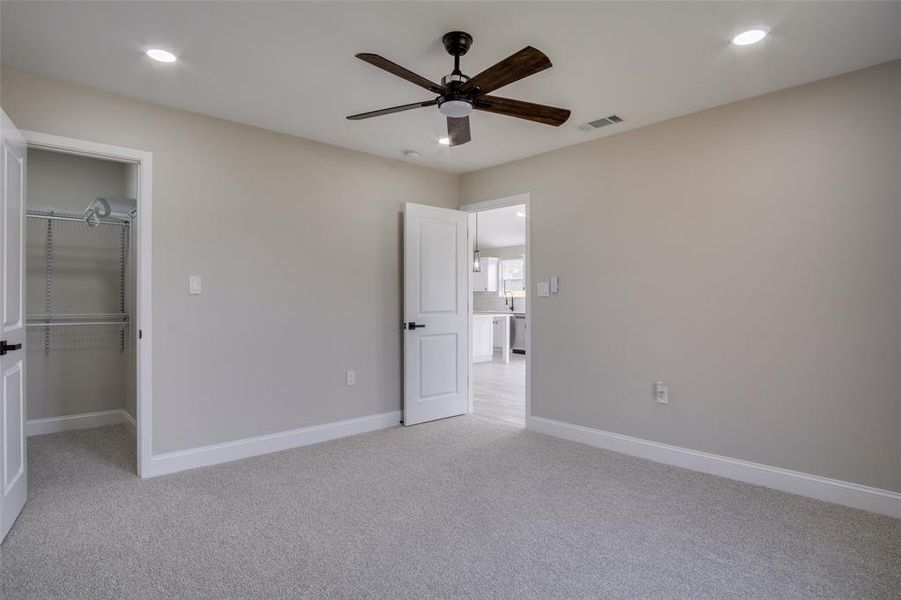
(555, 284)
(661, 392)
(544, 289)
(195, 284)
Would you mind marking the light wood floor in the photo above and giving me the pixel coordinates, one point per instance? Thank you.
(499, 389)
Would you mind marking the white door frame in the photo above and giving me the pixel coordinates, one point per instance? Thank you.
(526, 199)
(143, 323)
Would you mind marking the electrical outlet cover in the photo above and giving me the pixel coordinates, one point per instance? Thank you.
(195, 284)
(661, 392)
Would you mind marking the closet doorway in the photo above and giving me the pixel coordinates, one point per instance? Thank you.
(87, 284)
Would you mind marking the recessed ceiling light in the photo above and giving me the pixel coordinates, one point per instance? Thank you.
(163, 56)
(444, 141)
(751, 36)
(520, 214)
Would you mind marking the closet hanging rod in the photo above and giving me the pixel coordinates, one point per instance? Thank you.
(74, 315)
(77, 324)
(78, 316)
(77, 219)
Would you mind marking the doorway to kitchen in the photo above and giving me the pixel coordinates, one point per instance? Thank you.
(499, 309)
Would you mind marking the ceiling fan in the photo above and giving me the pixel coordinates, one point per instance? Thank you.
(459, 94)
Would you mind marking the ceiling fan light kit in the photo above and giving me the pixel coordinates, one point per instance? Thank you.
(459, 94)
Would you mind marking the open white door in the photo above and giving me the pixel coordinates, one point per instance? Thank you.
(12, 327)
(436, 341)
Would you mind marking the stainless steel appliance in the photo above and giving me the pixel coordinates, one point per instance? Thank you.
(519, 334)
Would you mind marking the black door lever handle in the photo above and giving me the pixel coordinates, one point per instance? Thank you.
(5, 347)
(413, 325)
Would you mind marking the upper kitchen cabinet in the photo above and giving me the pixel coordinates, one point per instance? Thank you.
(486, 279)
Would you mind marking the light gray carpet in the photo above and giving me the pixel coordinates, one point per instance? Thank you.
(461, 508)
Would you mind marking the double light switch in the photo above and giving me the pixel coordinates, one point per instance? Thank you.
(546, 288)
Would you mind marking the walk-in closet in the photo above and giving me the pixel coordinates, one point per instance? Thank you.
(80, 292)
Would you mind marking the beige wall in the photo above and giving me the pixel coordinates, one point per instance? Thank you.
(298, 244)
(748, 255)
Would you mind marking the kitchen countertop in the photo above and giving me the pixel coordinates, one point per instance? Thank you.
(498, 314)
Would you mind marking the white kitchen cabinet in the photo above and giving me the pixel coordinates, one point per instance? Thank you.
(486, 279)
(500, 323)
(502, 330)
(482, 338)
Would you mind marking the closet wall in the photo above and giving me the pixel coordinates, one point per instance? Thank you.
(86, 369)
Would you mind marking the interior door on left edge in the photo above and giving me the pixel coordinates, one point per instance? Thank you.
(13, 470)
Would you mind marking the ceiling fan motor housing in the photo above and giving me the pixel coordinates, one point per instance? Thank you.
(453, 103)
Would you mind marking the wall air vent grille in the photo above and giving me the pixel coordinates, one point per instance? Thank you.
(602, 122)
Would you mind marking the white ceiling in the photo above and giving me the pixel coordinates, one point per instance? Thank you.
(290, 66)
(501, 227)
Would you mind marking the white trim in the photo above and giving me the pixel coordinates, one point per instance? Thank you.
(144, 349)
(804, 484)
(172, 462)
(86, 420)
(130, 423)
(523, 198)
(526, 199)
(67, 145)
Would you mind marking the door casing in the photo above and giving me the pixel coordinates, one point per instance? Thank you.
(143, 321)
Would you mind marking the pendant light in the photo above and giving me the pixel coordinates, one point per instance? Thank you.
(476, 257)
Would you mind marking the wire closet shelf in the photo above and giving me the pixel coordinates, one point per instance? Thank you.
(48, 319)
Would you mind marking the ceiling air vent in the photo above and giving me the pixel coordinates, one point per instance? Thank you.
(603, 122)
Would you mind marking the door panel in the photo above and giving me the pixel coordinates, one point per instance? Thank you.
(13, 385)
(14, 461)
(438, 365)
(438, 265)
(12, 239)
(435, 351)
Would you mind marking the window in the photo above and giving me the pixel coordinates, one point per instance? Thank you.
(512, 276)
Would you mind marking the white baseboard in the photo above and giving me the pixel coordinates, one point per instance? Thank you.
(813, 486)
(130, 423)
(78, 421)
(172, 462)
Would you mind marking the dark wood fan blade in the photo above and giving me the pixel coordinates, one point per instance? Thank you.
(527, 61)
(393, 109)
(549, 115)
(395, 69)
(458, 130)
